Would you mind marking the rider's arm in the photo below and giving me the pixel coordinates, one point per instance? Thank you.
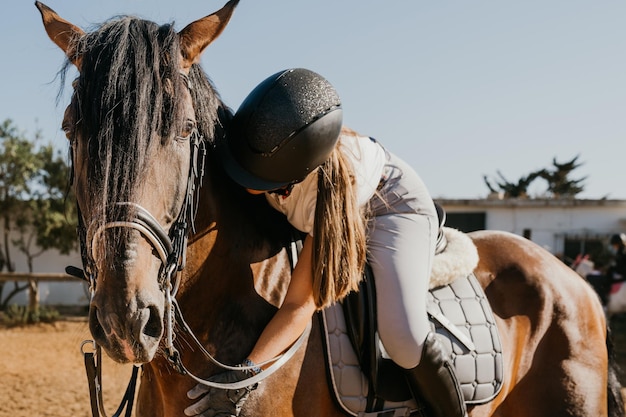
(293, 315)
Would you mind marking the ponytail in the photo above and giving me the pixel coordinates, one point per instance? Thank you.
(339, 252)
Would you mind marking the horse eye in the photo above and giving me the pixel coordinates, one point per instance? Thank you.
(69, 132)
(188, 128)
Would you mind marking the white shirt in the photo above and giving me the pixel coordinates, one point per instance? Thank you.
(368, 160)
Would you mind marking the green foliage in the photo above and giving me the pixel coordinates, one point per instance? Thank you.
(560, 185)
(36, 212)
(19, 165)
(510, 189)
(46, 219)
(15, 315)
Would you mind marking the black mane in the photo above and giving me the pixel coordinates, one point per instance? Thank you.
(126, 98)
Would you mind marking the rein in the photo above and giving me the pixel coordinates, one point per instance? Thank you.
(93, 361)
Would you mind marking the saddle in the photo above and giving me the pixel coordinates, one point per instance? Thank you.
(367, 383)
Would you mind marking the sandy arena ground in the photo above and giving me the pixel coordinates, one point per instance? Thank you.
(42, 372)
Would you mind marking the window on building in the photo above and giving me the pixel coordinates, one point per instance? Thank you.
(466, 222)
(595, 247)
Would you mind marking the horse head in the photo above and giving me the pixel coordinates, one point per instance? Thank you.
(140, 112)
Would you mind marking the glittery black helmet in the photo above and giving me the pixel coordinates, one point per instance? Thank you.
(286, 127)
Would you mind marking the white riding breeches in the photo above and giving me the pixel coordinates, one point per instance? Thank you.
(402, 234)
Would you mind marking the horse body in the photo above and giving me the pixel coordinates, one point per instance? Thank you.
(551, 324)
(551, 327)
(552, 330)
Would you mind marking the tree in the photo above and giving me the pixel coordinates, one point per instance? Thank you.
(560, 185)
(34, 208)
(510, 189)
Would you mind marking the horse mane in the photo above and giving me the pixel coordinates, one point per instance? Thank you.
(127, 91)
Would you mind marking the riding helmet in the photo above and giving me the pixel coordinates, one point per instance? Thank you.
(284, 129)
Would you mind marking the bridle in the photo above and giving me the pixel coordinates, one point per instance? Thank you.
(171, 250)
(170, 247)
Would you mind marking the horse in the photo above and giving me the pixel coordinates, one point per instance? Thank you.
(160, 219)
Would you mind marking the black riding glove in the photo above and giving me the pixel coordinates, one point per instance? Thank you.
(215, 402)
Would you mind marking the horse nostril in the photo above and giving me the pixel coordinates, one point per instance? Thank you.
(95, 326)
(154, 325)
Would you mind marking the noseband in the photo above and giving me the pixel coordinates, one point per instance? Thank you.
(145, 224)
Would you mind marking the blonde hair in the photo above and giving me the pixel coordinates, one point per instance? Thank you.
(339, 252)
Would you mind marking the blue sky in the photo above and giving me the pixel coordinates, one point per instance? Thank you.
(458, 89)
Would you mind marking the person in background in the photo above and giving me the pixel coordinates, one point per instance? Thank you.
(617, 269)
(355, 201)
(598, 279)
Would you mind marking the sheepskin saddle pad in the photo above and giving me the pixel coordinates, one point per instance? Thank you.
(367, 383)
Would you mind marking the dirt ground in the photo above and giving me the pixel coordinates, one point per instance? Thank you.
(42, 371)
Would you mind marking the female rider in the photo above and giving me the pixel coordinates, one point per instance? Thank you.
(355, 201)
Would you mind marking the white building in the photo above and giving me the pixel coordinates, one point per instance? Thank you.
(565, 227)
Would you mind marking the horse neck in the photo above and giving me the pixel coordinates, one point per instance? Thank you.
(238, 244)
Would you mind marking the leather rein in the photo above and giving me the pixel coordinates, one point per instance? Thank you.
(171, 249)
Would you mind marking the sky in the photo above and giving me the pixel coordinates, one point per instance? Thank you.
(459, 89)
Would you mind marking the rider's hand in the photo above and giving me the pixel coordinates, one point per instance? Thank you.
(215, 402)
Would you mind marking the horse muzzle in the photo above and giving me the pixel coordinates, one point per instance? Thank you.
(128, 296)
(130, 330)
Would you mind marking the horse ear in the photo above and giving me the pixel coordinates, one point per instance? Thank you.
(62, 32)
(198, 35)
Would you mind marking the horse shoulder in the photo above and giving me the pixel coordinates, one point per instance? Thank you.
(272, 277)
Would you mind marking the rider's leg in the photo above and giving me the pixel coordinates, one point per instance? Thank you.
(403, 325)
(401, 245)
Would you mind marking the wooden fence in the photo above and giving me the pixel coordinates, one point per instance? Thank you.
(34, 279)
(36, 276)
